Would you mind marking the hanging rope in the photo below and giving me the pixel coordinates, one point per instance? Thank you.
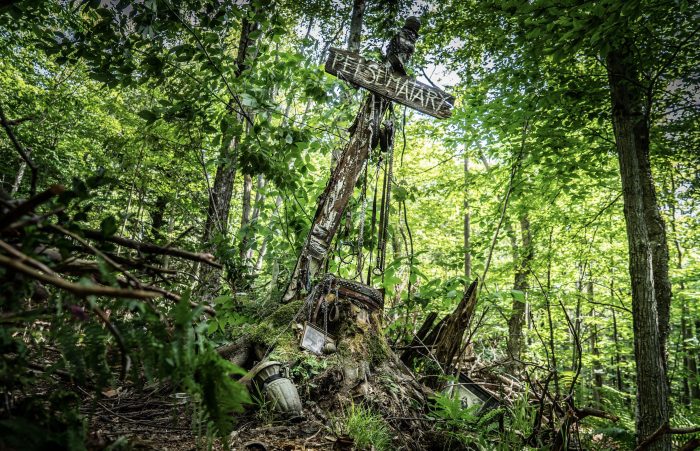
(387, 144)
(374, 219)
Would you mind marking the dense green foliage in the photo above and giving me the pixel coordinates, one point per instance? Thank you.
(132, 106)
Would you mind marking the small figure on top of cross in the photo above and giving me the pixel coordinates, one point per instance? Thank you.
(402, 45)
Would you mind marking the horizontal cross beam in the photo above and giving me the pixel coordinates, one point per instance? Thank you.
(381, 80)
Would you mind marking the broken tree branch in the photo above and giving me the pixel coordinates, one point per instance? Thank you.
(665, 429)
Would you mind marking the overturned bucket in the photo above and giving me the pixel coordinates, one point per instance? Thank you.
(281, 392)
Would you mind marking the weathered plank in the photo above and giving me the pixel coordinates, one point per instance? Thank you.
(381, 80)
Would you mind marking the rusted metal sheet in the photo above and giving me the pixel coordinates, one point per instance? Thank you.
(383, 81)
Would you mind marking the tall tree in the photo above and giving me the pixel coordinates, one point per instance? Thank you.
(221, 191)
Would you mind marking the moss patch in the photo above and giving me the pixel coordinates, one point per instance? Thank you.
(285, 313)
(378, 349)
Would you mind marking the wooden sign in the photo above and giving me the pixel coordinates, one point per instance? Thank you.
(381, 80)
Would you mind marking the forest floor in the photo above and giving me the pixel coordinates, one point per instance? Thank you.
(157, 420)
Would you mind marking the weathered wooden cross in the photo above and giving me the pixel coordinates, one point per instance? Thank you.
(385, 84)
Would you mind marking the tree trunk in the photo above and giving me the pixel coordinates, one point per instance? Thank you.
(354, 44)
(691, 387)
(254, 216)
(618, 359)
(522, 259)
(597, 364)
(656, 229)
(631, 130)
(19, 177)
(158, 217)
(548, 306)
(245, 217)
(467, 228)
(355, 36)
(222, 190)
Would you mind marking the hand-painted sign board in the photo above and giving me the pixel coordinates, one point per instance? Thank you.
(381, 80)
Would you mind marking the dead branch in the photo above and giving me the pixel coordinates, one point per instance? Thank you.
(33, 219)
(169, 295)
(126, 360)
(151, 248)
(584, 412)
(25, 258)
(14, 122)
(76, 289)
(80, 266)
(690, 445)
(409, 353)
(666, 429)
(98, 253)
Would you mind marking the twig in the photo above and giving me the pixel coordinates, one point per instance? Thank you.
(170, 295)
(126, 360)
(98, 253)
(29, 205)
(151, 248)
(513, 172)
(33, 219)
(23, 257)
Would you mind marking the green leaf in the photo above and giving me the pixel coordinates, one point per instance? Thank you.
(108, 226)
(148, 115)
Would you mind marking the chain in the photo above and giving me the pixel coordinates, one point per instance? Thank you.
(325, 320)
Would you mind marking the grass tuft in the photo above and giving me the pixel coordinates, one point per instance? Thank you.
(367, 429)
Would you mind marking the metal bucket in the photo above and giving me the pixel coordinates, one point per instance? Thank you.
(283, 395)
(281, 392)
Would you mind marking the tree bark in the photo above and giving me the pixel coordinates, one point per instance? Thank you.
(691, 386)
(158, 217)
(354, 44)
(618, 359)
(254, 216)
(18, 177)
(467, 227)
(595, 351)
(631, 128)
(522, 256)
(245, 217)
